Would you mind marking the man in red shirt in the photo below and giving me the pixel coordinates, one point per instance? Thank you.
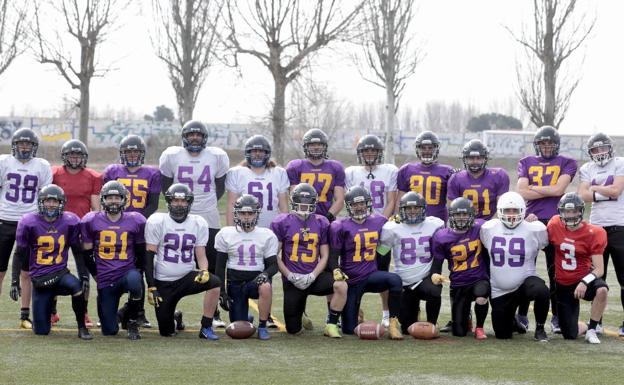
(82, 187)
(579, 267)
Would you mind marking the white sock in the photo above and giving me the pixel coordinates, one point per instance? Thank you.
(385, 314)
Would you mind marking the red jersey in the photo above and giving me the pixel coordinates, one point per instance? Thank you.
(574, 249)
(78, 188)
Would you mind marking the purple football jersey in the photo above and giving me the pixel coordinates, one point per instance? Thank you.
(48, 242)
(357, 244)
(301, 240)
(324, 178)
(113, 243)
(545, 172)
(145, 181)
(430, 181)
(482, 191)
(464, 253)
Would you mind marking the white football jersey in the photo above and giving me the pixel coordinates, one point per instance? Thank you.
(199, 174)
(246, 251)
(176, 242)
(266, 187)
(512, 253)
(21, 183)
(605, 213)
(385, 180)
(410, 247)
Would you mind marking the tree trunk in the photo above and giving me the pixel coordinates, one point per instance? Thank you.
(549, 69)
(390, 119)
(187, 105)
(279, 119)
(84, 112)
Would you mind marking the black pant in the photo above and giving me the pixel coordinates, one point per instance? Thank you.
(569, 306)
(615, 250)
(7, 240)
(211, 253)
(410, 303)
(295, 299)
(504, 307)
(462, 299)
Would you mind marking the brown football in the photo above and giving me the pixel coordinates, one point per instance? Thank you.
(240, 330)
(369, 330)
(423, 330)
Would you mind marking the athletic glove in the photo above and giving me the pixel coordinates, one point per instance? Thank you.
(153, 297)
(339, 275)
(16, 290)
(294, 277)
(261, 278)
(85, 286)
(439, 279)
(225, 301)
(202, 276)
(305, 281)
(330, 217)
(396, 218)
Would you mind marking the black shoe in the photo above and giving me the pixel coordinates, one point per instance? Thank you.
(122, 316)
(540, 335)
(143, 322)
(520, 327)
(133, 330)
(84, 334)
(447, 328)
(177, 317)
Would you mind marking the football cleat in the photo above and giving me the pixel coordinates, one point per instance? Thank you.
(479, 334)
(306, 322)
(217, 322)
(54, 318)
(263, 334)
(394, 329)
(98, 324)
(554, 325)
(271, 323)
(143, 321)
(591, 336)
(88, 322)
(133, 330)
(208, 334)
(447, 328)
(84, 334)
(540, 335)
(331, 330)
(25, 323)
(521, 323)
(177, 317)
(385, 321)
(599, 329)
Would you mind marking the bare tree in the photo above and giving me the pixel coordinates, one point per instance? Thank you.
(558, 30)
(283, 35)
(13, 33)
(391, 54)
(184, 39)
(86, 22)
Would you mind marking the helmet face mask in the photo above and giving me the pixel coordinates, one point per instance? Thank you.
(546, 142)
(571, 209)
(24, 144)
(427, 146)
(370, 151)
(412, 208)
(257, 151)
(246, 212)
(132, 151)
(74, 154)
(194, 136)
(51, 202)
(600, 149)
(303, 200)
(113, 197)
(315, 144)
(179, 198)
(511, 209)
(359, 203)
(461, 214)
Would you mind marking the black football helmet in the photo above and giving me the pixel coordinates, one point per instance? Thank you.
(113, 187)
(370, 142)
(427, 138)
(190, 127)
(597, 141)
(257, 142)
(74, 146)
(303, 200)
(24, 135)
(51, 191)
(547, 133)
(357, 194)
(472, 149)
(315, 136)
(129, 143)
(244, 204)
(409, 200)
(179, 191)
(571, 209)
(461, 214)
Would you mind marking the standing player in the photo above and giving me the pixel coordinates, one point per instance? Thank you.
(461, 246)
(115, 240)
(381, 180)
(355, 240)
(579, 248)
(513, 245)
(143, 185)
(22, 174)
(259, 176)
(43, 241)
(325, 175)
(177, 239)
(203, 170)
(427, 177)
(410, 242)
(250, 255)
(542, 180)
(602, 183)
(304, 245)
(81, 185)
(481, 184)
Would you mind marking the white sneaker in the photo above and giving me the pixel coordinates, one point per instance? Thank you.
(385, 322)
(218, 323)
(591, 337)
(599, 329)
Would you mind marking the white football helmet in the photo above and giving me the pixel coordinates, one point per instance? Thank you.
(511, 200)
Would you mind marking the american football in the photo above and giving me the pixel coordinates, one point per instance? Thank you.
(240, 330)
(423, 330)
(369, 330)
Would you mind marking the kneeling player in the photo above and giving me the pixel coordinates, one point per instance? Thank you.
(304, 244)
(355, 239)
(461, 246)
(177, 239)
(513, 245)
(43, 241)
(410, 244)
(114, 240)
(250, 254)
(579, 266)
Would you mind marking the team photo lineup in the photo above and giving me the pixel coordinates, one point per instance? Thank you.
(404, 233)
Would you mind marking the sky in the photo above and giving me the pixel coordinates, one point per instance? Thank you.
(470, 58)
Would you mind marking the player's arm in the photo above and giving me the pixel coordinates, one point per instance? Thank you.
(229, 212)
(282, 202)
(333, 261)
(584, 192)
(220, 183)
(382, 258)
(391, 203)
(280, 264)
(398, 199)
(597, 272)
(81, 266)
(165, 182)
(20, 256)
(88, 257)
(338, 204)
(220, 268)
(139, 255)
(201, 258)
(554, 191)
(527, 191)
(323, 260)
(612, 191)
(148, 264)
(95, 203)
(152, 204)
